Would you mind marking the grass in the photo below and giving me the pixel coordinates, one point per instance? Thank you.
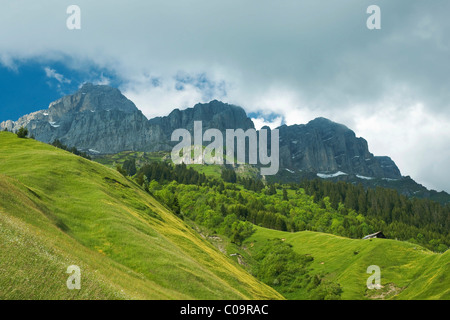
(141, 158)
(408, 271)
(209, 170)
(57, 209)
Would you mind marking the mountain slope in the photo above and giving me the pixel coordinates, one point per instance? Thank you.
(408, 271)
(57, 210)
(96, 118)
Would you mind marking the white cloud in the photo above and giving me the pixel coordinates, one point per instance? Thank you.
(51, 73)
(415, 139)
(158, 96)
(7, 61)
(159, 101)
(103, 80)
(261, 122)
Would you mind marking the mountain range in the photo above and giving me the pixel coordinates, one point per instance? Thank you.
(99, 119)
(178, 233)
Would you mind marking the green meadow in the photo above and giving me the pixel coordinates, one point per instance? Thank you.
(408, 271)
(58, 209)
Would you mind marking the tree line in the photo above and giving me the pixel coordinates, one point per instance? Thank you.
(58, 144)
(422, 220)
(225, 205)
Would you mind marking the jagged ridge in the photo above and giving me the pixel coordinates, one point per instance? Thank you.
(100, 119)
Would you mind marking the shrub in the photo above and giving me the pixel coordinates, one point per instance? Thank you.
(22, 133)
(121, 171)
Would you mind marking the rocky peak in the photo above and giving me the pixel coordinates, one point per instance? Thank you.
(214, 114)
(96, 117)
(93, 98)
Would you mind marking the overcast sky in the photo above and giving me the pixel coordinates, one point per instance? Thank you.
(295, 59)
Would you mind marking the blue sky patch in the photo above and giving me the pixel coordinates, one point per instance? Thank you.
(32, 85)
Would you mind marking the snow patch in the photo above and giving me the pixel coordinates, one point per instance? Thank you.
(93, 151)
(331, 175)
(365, 178)
(291, 171)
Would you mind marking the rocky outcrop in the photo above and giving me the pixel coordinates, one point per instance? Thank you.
(214, 114)
(328, 147)
(99, 119)
(96, 118)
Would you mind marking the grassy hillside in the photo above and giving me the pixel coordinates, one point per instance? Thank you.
(141, 158)
(57, 210)
(408, 271)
